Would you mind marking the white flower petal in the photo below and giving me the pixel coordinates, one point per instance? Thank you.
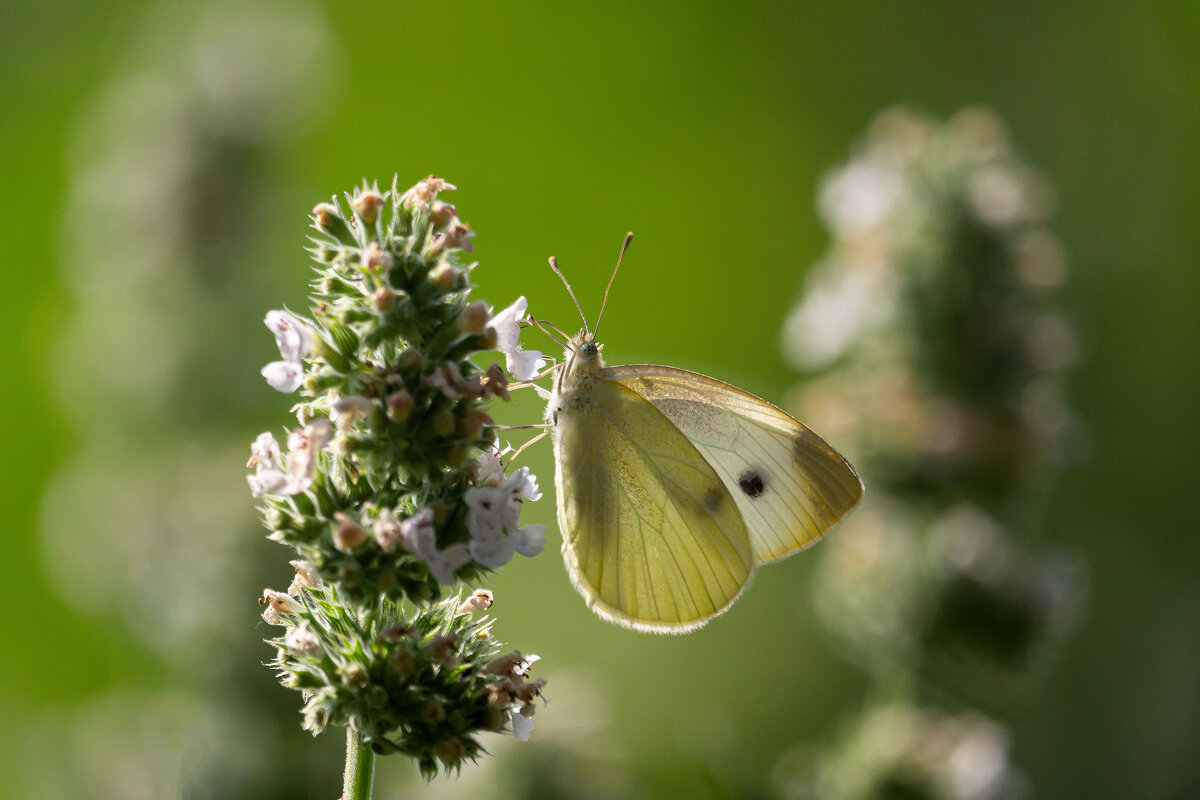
(523, 484)
(522, 726)
(267, 481)
(530, 540)
(523, 364)
(278, 603)
(444, 563)
(295, 339)
(264, 450)
(492, 552)
(507, 325)
(284, 376)
(416, 532)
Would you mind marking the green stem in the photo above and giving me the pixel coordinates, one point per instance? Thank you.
(360, 768)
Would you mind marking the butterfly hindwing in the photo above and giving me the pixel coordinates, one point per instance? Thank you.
(653, 538)
(789, 485)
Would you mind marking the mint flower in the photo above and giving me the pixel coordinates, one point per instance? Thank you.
(417, 534)
(939, 358)
(522, 364)
(277, 603)
(425, 192)
(522, 726)
(492, 520)
(489, 468)
(296, 342)
(480, 600)
(273, 476)
(303, 642)
(305, 577)
(408, 498)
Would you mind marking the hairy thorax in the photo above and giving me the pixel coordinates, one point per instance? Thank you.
(581, 373)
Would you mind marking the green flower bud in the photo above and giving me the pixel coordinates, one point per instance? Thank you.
(445, 277)
(433, 712)
(443, 422)
(367, 204)
(328, 218)
(349, 534)
(399, 405)
(354, 676)
(383, 299)
(449, 751)
(402, 662)
(474, 318)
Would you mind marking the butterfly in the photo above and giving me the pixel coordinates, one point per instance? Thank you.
(673, 487)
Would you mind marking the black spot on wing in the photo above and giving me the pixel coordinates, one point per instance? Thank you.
(751, 483)
(712, 498)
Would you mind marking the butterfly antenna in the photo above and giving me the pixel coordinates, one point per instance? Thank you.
(570, 291)
(543, 325)
(624, 247)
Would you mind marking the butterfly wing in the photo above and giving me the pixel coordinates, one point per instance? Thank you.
(652, 537)
(789, 485)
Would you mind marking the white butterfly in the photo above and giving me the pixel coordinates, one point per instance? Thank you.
(673, 487)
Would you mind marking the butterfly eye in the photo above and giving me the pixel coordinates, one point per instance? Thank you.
(588, 350)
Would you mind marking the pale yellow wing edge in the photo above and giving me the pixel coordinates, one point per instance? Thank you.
(616, 617)
(661, 385)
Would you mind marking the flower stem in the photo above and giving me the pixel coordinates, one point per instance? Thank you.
(360, 768)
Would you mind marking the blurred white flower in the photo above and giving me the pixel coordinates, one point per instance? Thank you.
(269, 477)
(837, 307)
(303, 447)
(447, 379)
(999, 197)
(859, 197)
(295, 339)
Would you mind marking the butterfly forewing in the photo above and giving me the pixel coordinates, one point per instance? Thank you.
(789, 485)
(652, 536)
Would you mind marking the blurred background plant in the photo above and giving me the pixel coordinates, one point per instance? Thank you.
(174, 179)
(129, 669)
(938, 358)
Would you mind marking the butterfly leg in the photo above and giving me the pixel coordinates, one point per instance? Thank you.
(521, 449)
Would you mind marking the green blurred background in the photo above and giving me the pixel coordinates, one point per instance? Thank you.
(704, 128)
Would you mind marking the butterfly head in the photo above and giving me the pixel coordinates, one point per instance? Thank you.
(582, 359)
(588, 350)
